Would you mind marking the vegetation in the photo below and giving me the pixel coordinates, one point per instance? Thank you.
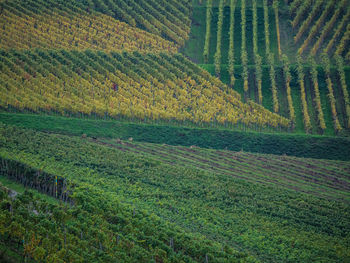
(340, 69)
(231, 53)
(326, 65)
(288, 77)
(113, 85)
(166, 18)
(300, 12)
(329, 26)
(316, 27)
(314, 76)
(337, 31)
(342, 45)
(306, 23)
(217, 56)
(65, 28)
(266, 28)
(244, 55)
(275, 8)
(132, 208)
(300, 145)
(257, 57)
(301, 75)
(207, 34)
(117, 144)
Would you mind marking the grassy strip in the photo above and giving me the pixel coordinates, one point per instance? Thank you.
(321, 147)
(19, 188)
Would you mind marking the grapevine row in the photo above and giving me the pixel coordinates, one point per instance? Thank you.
(244, 54)
(337, 32)
(207, 32)
(231, 53)
(270, 58)
(301, 11)
(314, 78)
(306, 23)
(294, 5)
(257, 57)
(170, 18)
(115, 85)
(344, 40)
(58, 29)
(315, 29)
(288, 78)
(275, 8)
(341, 73)
(217, 56)
(301, 76)
(327, 69)
(328, 27)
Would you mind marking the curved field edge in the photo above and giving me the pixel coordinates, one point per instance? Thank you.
(237, 215)
(308, 146)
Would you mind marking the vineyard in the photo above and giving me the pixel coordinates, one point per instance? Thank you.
(113, 85)
(148, 194)
(174, 131)
(254, 42)
(66, 29)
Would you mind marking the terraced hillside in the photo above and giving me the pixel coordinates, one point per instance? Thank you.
(149, 209)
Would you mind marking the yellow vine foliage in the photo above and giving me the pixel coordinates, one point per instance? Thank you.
(115, 93)
(60, 30)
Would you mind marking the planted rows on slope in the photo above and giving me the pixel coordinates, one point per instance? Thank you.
(320, 25)
(130, 85)
(170, 19)
(67, 29)
(316, 177)
(177, 195)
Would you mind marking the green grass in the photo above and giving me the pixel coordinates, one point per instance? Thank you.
(322, 147)
(19, 188)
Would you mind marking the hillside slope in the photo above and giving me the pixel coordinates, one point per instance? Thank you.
(24, 26)
(127, 85)
(250, 45)
(220, 215)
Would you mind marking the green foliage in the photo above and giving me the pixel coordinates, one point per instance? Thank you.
(217, 56)
(231, 53)
(161, 211)
(288, 78)
(341, 73)
(321, 147)
(207, 33)
(301, 76)
(314, 77)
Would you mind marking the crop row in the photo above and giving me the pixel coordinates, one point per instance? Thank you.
(315, 27)
(313, 177)
(164, 18)
(144, 87)
(63, 28)
(178, 212)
